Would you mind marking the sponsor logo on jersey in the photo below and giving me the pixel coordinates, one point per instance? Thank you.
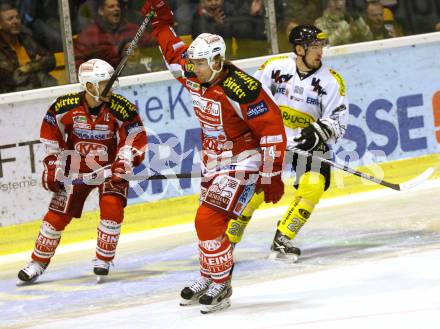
(50, 119)
(207, 110)
(80, 119)
(317, 87)
(296, 99)
(280, 78)
(248, 80)
(298, 90)
(294, 118)
(65, 101)
(88, 148)
(234, 86)
(102, 126)
(92, 134)
(311, 100)
(256, 110)
(281, 90)
(193, 85)
(82, 125)
(340, 81)
(122, 106)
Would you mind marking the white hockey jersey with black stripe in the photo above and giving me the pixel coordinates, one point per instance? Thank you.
(319, 95)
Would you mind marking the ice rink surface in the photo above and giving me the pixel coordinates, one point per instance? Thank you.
(369, 261)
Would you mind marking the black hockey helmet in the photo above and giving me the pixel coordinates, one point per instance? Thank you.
(307, 34)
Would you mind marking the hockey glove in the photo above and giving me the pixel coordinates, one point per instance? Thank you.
(163, 14)
(49, 178)
(313, 136)
(272, 186)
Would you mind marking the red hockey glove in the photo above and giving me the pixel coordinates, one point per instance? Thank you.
(49, 179)
(313, 136)
(163, 13)
(120, 168)
(272, 186)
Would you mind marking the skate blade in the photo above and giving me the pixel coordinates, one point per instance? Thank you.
(292, 258)
(206, 309)
(189, 302)
(101, 278)
(20, 283)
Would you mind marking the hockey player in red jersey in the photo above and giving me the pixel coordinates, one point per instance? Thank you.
(242, 134)
(82, 132)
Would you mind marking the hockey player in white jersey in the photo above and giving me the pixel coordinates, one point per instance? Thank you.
(314, 108)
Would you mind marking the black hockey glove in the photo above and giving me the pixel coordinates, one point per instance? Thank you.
(313, 136)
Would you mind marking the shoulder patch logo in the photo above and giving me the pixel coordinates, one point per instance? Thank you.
(256, 110)
(340, 81)
(66, 102)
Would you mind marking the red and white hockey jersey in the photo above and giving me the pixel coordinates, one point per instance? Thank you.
(93, 141)
(238, 116)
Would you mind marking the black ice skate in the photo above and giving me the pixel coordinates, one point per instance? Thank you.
(216, 298)
(31, 273)
(283, 249)
(101, 269)
(190, 295)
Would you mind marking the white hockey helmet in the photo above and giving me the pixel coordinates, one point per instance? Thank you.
(208, 46)
(94, 71)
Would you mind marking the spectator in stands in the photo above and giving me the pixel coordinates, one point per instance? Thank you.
(248, 20)
(294, 13)
(340, 27)
(300, 12)
(213, 16)
(374, 17)
(42, 17)
(108, 36)
(24, 64)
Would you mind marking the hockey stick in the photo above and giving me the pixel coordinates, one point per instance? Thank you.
(84, 178)
(105, 172)
(398, 187)
(129, 51)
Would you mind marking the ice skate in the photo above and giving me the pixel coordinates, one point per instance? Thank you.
(216, 298)
(283, 249)
(31, 272)
(101, 269)
(190, 295)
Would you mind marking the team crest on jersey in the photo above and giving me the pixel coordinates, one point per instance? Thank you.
(317, 87)
(256, 110)
(280, 78)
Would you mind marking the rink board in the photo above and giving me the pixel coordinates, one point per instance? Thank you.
(392, 91)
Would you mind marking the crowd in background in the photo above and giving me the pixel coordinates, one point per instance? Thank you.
(31, 42)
